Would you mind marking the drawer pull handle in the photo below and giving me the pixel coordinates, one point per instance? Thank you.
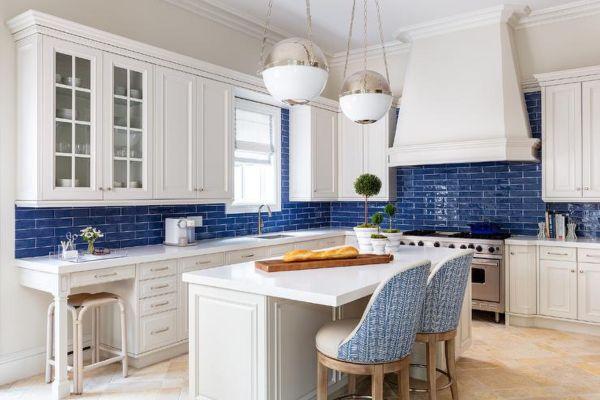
(592, 256)
(572, 271)
(159, 269)
(156, 287)
(248, 256)
(581, 271)
(106, 275)
(164, 303)
(157, 331)
(557, 254)
(202, 262)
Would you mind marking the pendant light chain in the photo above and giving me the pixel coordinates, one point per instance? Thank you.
(385, 62)
(261, 61)
(365, 20)
(349, 38)
(309, 32)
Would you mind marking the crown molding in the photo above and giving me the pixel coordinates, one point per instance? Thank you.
(509, 14)
(577, 9)
(530, 85)
(373, 52)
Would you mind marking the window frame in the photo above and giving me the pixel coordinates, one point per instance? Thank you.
(275, 113)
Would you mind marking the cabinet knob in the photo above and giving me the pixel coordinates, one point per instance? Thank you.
(572, 271)
(109, 188)
(101, 188)
(581, 271)
(586, 188)
(578, 188)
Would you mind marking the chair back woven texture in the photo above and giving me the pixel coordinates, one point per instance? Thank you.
(387, 329)
(445, 294)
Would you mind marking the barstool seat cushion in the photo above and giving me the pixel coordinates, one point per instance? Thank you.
(86, 299)
(332, 334)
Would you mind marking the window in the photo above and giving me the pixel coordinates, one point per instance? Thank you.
(257, 157)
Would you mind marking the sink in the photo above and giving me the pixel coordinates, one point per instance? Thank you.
(273, 236)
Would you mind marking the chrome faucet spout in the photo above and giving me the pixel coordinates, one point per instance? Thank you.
(260, 221)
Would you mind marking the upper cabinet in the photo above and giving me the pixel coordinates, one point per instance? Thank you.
(313, 154)
(571, 135)
(364, 149)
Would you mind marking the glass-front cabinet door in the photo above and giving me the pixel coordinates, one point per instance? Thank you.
(128, 127)
(72, 155)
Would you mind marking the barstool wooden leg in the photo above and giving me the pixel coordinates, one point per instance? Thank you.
(431, 364)
(49, 339)
(451, 366)
(321, 381)
(403, 383)
(123, 339)
(377, 383)
(351, 384)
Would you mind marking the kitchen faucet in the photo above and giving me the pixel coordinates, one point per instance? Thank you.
(260, 221)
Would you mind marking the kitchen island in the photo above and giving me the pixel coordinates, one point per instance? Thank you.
(252, 333)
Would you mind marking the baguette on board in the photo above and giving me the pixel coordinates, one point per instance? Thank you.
(309, 255)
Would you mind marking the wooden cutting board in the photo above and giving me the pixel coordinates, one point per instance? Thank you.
(362, 259)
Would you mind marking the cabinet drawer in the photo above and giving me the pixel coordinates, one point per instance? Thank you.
(158, 286)
(158, 304)
(240, 256)
(332, 242)
(86, 278)
(158, 330)
(157, 269)
(309, 245)
(558, 253)
(588, 255)
(281, 249)
(201, 262)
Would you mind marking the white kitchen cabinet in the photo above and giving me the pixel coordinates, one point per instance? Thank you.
(558, 289)
(591, 139)
(176, 140)
(522, 287)
(363, 149)
(313, 154)
(128, 125)
(588, 282)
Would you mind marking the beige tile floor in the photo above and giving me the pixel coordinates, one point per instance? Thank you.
(503, 363)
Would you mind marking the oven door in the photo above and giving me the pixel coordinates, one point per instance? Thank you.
(485, 277)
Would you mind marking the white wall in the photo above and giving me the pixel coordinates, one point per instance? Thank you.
(22, 311)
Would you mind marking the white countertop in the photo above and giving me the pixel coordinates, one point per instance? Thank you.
(327, 286)
(533, 240)
(141, 254)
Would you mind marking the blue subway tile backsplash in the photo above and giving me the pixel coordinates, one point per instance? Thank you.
(445, 197)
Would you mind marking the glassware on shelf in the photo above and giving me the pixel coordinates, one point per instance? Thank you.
(541, 231)
(571, 228)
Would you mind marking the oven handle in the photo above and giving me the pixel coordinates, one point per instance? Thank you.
(485, 263)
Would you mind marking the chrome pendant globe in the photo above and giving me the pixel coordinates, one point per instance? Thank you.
(365, 97)
(295, 71)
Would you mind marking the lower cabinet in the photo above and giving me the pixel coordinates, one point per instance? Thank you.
(558, 289)
(522, 281)
(588, 291)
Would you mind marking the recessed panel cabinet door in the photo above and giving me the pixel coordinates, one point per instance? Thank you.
(558, 289)
(175, 144)
(215, 140)
(591, 138)
(588, 292)
(324, 149)
(562, 141)
(522, 279)
(350, 156)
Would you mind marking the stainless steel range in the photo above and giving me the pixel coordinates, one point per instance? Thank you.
(487, 269)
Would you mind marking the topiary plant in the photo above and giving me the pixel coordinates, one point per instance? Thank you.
(367, 185)
(390, 211)
(377, 219)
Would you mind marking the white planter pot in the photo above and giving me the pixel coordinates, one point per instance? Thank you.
(363, 235)
(393, 241)
(378, 245)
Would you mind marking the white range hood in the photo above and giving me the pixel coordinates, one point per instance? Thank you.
(462, 100)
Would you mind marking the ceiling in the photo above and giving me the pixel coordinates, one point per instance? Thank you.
(331, 17)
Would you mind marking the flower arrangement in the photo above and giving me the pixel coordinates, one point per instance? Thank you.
(90, 235)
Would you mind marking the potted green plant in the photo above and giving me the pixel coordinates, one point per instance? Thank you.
(378, 241)
(90, 235)
(366, 185)
(393, 235)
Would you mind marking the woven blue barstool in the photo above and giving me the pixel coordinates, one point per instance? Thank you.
(440, 315)
(381, 341)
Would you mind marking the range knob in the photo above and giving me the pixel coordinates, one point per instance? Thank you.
(451, 246)
(479, 248)
(421, 243)
(462, 246)
(491, 249)
(471, 246)
(402, 242)
(436, 244)
(411, 244)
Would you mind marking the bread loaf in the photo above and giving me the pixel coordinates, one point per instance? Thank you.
(309, 255)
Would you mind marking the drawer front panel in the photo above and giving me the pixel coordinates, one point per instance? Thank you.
(241, 256)
(309, 245)
(281, 249)
(588, 256)
(157, 269)
(202, 262)
(558, 253)
(332, 242)
(158, 330)
(159, 286)
(154, 305)
(86, 278)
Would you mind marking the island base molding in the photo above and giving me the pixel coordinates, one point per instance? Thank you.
(541, 321)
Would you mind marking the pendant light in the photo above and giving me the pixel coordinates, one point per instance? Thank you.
(366, 95)
(295, 71)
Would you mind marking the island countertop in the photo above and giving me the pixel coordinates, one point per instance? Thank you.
(327, 286)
